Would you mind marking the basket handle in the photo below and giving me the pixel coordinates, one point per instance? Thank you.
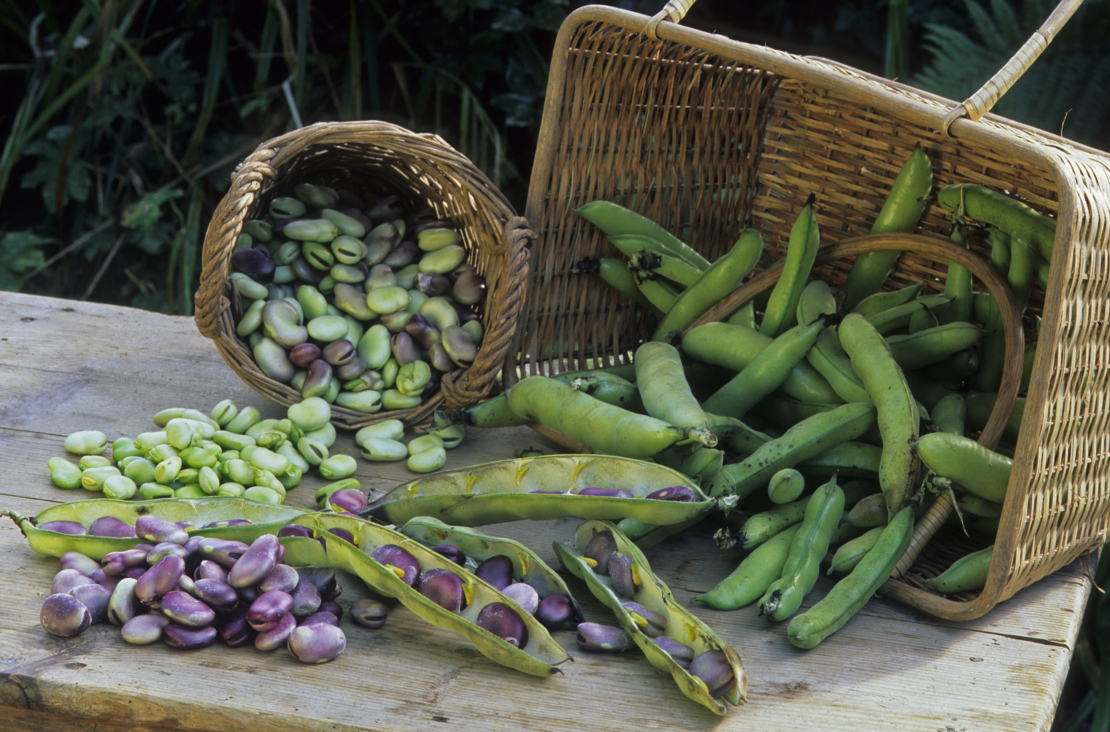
(674, 10)
(982, 101)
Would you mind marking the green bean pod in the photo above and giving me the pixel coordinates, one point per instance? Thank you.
(653, 594)
(801, 251)
(265, 519)
(759, 527)
(899, 316)
(905, 203)
(849, 554)
(967, 573)
(823, 512)
(880, 301)
(766, 372)
(830, 613)
(616, 273)
(1001, 211)
(661, 294)
(755, 573)
(979, 469)
(605, 428)
(734, 346)
(615, 220)
(950, 413)
(896, 409)
(932, 345)
(611, 389)
(807, 439)
(495, 411)
(721, 278)
(958, 286)
(817, 299)
(829, 359)
(663, 387)
(540, 654)
(503, 491)
(528, 567)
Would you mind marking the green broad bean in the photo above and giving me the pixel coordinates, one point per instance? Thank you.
(754, 575)
(224, 412)
(189, 490)
(442, 260)
(246, 452)
(413, 377)
(312, 450)
(382, 449)
(259, 230)
(166, 471)
(265, 459)
(197, 457)
(539, 656)
(242, 421)
(653, 593)
(251, 320)
(390, 429)
(152, 490)
(325, 434)
(93, 461)
(187, 476)
(86, 442)
(93, 478)
(232, 440)
(389, 372)
(119, 487)
(262, 494)
(208, 480)
(147, 441)
(141, 470)
(336, 467)
(371, 401)
(419, 444)
(310, 414)
(125, 447)
(394, 399)
(802, 568)
(427, 460)
(540, 488)
(63, 473)
(238, 471)
(451, 435)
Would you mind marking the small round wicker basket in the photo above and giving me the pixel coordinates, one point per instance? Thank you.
(373, 159)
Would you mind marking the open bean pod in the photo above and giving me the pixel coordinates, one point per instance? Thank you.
(654, 595)
(528, 567)
(264, 518)
(542, 488)
(539, 655)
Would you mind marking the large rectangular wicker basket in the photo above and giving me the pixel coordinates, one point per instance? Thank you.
(708, 136)
(373, 159)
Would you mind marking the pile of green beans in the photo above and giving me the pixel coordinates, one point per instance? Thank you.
(885, 386)
(191, 454)
(363, 306)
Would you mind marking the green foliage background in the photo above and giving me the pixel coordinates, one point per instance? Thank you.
(126, 117)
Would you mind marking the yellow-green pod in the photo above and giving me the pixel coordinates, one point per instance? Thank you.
(541, 488)
(849, 554)
(967, 573)
(540, 654)
(653, 593)
(755, 573)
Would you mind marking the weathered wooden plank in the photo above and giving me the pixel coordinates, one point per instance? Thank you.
(68, 366)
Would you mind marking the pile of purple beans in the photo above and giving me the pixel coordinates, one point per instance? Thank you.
(187, 591)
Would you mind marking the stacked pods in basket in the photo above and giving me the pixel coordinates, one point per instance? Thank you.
(832, 419)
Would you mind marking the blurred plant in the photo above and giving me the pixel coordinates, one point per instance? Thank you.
(133, 115)
(1064, 91)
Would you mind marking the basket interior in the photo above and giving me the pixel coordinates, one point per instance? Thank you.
(708, 144)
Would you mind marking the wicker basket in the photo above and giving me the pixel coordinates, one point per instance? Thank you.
(708, 136)
(373, 159)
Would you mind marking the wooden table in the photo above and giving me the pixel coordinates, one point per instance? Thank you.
(66, 366)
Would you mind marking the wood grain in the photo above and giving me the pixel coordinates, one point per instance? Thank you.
(68, 366)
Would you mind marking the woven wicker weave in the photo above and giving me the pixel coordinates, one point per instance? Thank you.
(708, 136)
(373, 159)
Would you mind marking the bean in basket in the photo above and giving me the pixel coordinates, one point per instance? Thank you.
(364, 307)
